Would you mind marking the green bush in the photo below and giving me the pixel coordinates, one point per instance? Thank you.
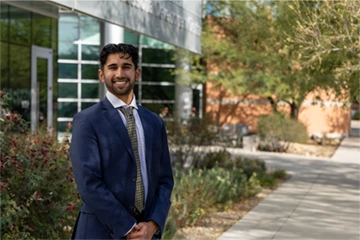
(185, 135)
(357, 116)
(277, 131)
(214, 159)
(271, 179)
(198, 191)
(38, 193)
(170, 228)
(250, 166)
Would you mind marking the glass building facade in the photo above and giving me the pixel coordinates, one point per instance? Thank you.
(22, 29)
(79, 43)
(79, 87)
(75, 42)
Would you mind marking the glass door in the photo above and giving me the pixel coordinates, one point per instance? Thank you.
(41, 88)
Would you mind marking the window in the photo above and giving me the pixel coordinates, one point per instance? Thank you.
(163, 56)
(4, 22)
(4, 53)
(19, 66)
(90, 52)
(131, 37)
(41, 30)
(158, 92)
(67, 109)
(20, 26)
(68, 90)
(68, 50)
(157, 74)
(67, 70)
(89, 90)
(68, 32)
(78, 66)
(89, 71)
(85, 105)
(89, 30)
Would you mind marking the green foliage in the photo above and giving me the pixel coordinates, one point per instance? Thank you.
(251, 166)
(38, 193)
(277, 131)
(220, 159)
(357, 115)
(327, 35)
(9, 121)
(198, 191)
(170, 228)
(244, 51)
(215, 182)
(270, 179)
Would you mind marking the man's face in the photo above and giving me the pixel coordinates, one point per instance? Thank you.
(119, 76)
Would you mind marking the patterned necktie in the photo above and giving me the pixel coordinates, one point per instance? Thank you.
(131, 128)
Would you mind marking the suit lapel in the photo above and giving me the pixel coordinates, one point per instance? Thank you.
(112, 115)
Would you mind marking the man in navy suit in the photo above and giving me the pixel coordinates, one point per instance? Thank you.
(105, 165)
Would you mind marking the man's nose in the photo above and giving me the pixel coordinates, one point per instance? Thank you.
(120, 73)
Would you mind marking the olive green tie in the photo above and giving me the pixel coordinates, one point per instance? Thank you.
(131, 128)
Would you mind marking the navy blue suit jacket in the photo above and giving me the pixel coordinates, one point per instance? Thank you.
(105, 171)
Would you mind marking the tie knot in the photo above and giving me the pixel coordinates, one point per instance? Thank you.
(127, 111)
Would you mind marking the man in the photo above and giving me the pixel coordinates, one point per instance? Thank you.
(123, 175)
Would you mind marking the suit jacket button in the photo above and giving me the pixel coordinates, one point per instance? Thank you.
(131, 206)
(133, 179)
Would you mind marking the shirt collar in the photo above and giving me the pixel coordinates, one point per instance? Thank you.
(117, 103)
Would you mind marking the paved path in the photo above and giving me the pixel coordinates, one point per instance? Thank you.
(320, 201)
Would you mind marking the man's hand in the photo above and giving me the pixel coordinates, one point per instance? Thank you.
(143, 231)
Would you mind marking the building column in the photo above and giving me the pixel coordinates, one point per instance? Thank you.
(109, 33)
(183, 90)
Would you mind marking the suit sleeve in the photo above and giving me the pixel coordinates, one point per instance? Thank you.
(86, 162)
(161, 206)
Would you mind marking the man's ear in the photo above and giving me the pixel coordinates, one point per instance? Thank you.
(101, 75)
(137, 74)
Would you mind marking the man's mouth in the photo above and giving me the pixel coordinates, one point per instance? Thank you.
(120, 82)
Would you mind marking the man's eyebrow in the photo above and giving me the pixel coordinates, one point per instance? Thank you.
(127, 64)
(112, 65)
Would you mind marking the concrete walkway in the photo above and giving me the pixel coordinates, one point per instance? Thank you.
(320, 201)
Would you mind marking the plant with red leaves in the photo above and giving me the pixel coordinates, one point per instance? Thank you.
(36, 183)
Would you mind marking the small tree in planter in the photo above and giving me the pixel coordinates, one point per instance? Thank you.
(38, 193)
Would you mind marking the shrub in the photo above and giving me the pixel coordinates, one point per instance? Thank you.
(38, 193)
(250, 166)
(277, 131)
(214, 159)
(271, 179)
(356, 115)
(198, 191)
(185, 136)
(170, 228)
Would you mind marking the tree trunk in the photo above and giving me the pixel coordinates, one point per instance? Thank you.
(294, 111)
(273, 104)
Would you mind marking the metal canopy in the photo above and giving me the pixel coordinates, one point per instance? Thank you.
(175, 22)
(35, 6)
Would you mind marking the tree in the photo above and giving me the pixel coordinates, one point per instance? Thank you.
(327, 35)
(244, 52)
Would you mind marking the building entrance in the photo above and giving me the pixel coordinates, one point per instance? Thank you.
(41, 87)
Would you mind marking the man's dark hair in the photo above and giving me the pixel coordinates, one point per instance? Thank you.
(124, 49)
